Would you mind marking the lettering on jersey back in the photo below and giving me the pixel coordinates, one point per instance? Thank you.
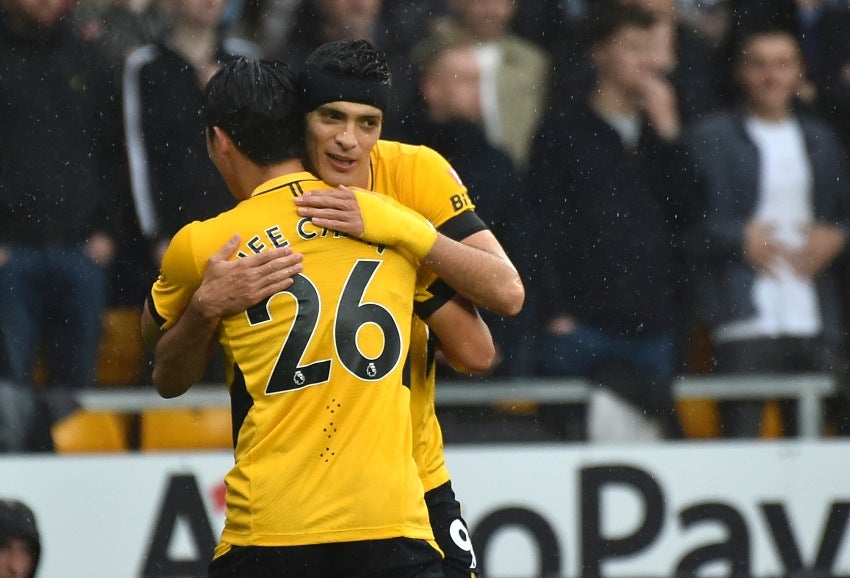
(274, 237)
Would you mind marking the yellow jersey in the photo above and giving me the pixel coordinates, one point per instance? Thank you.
(421, 179)
(321, 415)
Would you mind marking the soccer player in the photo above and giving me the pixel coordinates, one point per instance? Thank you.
(344, 121)
(343, 144)
(324, 484)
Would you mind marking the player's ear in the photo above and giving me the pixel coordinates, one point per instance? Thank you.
(219, 140)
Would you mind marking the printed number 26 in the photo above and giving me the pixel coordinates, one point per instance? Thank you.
(291, 372)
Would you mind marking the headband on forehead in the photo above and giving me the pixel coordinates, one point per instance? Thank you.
(318, 86)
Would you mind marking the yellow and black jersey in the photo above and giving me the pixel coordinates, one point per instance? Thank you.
(315, 375)
(421, 179)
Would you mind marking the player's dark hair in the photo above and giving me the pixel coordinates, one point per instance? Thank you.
(609, 17)
(255, 103)
(352, 58)
(345, 70)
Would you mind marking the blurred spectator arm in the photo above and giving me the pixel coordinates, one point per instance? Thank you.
(721, 231)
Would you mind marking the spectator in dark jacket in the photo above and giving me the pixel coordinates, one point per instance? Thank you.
(59, 143)
(173, 181)
(614, 193)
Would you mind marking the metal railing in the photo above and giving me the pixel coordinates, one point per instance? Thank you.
(808, 389)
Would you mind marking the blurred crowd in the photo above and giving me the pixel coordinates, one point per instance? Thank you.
(670, 177)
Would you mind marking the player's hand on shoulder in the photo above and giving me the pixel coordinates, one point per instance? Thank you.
(232, 285)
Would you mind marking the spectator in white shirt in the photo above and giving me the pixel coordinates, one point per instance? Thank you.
(777, 219)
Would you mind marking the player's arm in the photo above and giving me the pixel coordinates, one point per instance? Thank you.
(228, 287)
(479, 269)
(182, 352)
(464, 338)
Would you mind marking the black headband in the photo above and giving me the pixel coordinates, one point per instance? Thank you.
(318, 86)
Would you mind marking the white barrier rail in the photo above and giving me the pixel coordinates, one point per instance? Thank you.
(808, 389)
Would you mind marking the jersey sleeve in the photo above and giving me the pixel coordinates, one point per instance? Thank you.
(432, 188)
(178, 279)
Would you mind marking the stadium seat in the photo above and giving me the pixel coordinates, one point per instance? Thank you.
(699, 418)
(185, 429)
(772, 425)
(121, 347)
(87, 431)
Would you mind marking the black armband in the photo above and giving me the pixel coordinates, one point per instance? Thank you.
(462, 226)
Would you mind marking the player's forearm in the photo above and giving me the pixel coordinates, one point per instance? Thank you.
(182, 353)
(478, 268)
(465, 339)
(487, 279)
